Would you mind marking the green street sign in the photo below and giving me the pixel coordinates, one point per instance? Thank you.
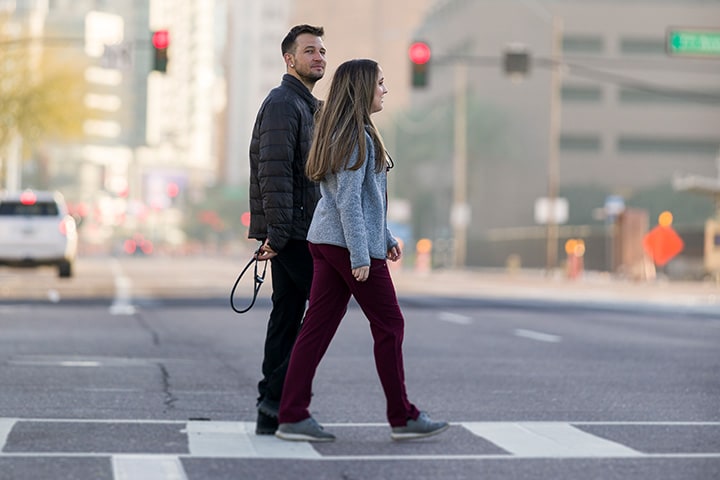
(693, 42)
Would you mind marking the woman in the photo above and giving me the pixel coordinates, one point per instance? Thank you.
(350, 242)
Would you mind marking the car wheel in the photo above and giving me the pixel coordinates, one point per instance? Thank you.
(65, 269)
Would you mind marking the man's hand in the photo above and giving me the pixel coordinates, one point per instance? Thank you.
(361, 273)
(266, 253)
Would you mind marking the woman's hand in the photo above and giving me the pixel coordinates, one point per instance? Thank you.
(361, 273)
(394, 253)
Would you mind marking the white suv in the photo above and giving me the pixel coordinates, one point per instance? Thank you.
(35, 230)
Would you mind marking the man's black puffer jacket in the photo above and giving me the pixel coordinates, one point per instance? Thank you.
(282, 198)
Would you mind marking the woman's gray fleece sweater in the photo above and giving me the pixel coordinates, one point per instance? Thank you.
(352, 211)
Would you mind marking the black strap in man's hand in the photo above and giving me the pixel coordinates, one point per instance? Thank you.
(258, 279)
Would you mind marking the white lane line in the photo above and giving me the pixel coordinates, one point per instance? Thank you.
(238, 440)
(455, 318)
(100, 420)
(495, 456)
(539, 336)
(147, 467)
(80, 363)
(330, 458)
(552, 439)
(668, 423)
(651, 423)
(122, 303)
(6, 426)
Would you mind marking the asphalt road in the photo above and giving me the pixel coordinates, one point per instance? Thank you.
(140, 370)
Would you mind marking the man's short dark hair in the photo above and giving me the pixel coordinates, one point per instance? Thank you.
(288, 43)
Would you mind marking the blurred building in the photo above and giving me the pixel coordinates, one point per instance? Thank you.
(254, 65)
(632, 116)
(105, 42)
(115, 95)
(184, 101)
(151, 136)
(376, 29)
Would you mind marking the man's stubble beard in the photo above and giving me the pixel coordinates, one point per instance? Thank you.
(312, 78)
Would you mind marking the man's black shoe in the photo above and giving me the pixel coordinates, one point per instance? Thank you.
(266, 425)
(269, 407)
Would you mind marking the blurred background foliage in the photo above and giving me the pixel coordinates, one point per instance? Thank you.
(41, 92)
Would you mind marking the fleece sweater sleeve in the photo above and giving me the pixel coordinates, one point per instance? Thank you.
(349, 204)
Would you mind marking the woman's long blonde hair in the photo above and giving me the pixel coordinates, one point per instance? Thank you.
(343, 120)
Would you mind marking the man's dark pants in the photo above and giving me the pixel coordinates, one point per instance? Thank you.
(292, 271)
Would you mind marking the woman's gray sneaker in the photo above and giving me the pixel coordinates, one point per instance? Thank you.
(422, 427)
(307, 430)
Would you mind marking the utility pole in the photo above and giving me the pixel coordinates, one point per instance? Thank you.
(420, 54)
(13, 171)
(553, 163)
(460, 213)
(553, 167)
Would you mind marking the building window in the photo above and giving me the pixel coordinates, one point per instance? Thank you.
(583, 44)
(579, 143)
(697, 98)
(642, 46)
(577, 93)
(628, 144)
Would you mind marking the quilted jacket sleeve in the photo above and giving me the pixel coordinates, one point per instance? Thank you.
(278, 137)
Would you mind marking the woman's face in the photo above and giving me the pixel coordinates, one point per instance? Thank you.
(380, 92)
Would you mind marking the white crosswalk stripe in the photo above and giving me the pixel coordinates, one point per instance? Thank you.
(147, 467)
(237, 439)
(551, 439)
(6, 425)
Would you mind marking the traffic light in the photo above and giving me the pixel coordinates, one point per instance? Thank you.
(160, 44)
(516, 61)
(419, 53)
(172, 189)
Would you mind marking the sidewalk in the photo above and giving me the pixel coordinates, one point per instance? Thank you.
(593, 287)
(213, 276)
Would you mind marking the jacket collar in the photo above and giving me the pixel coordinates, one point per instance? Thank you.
(298, 87)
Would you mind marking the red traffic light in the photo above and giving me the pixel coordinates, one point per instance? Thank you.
(160, 42)
(161, 39)
(172, 189)
(419, 53)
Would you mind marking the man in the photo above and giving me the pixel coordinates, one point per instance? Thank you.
(282, 201)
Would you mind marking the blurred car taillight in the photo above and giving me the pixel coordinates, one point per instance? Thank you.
(28, 197)
(66, 226)
(129, 246)
(147, 247)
